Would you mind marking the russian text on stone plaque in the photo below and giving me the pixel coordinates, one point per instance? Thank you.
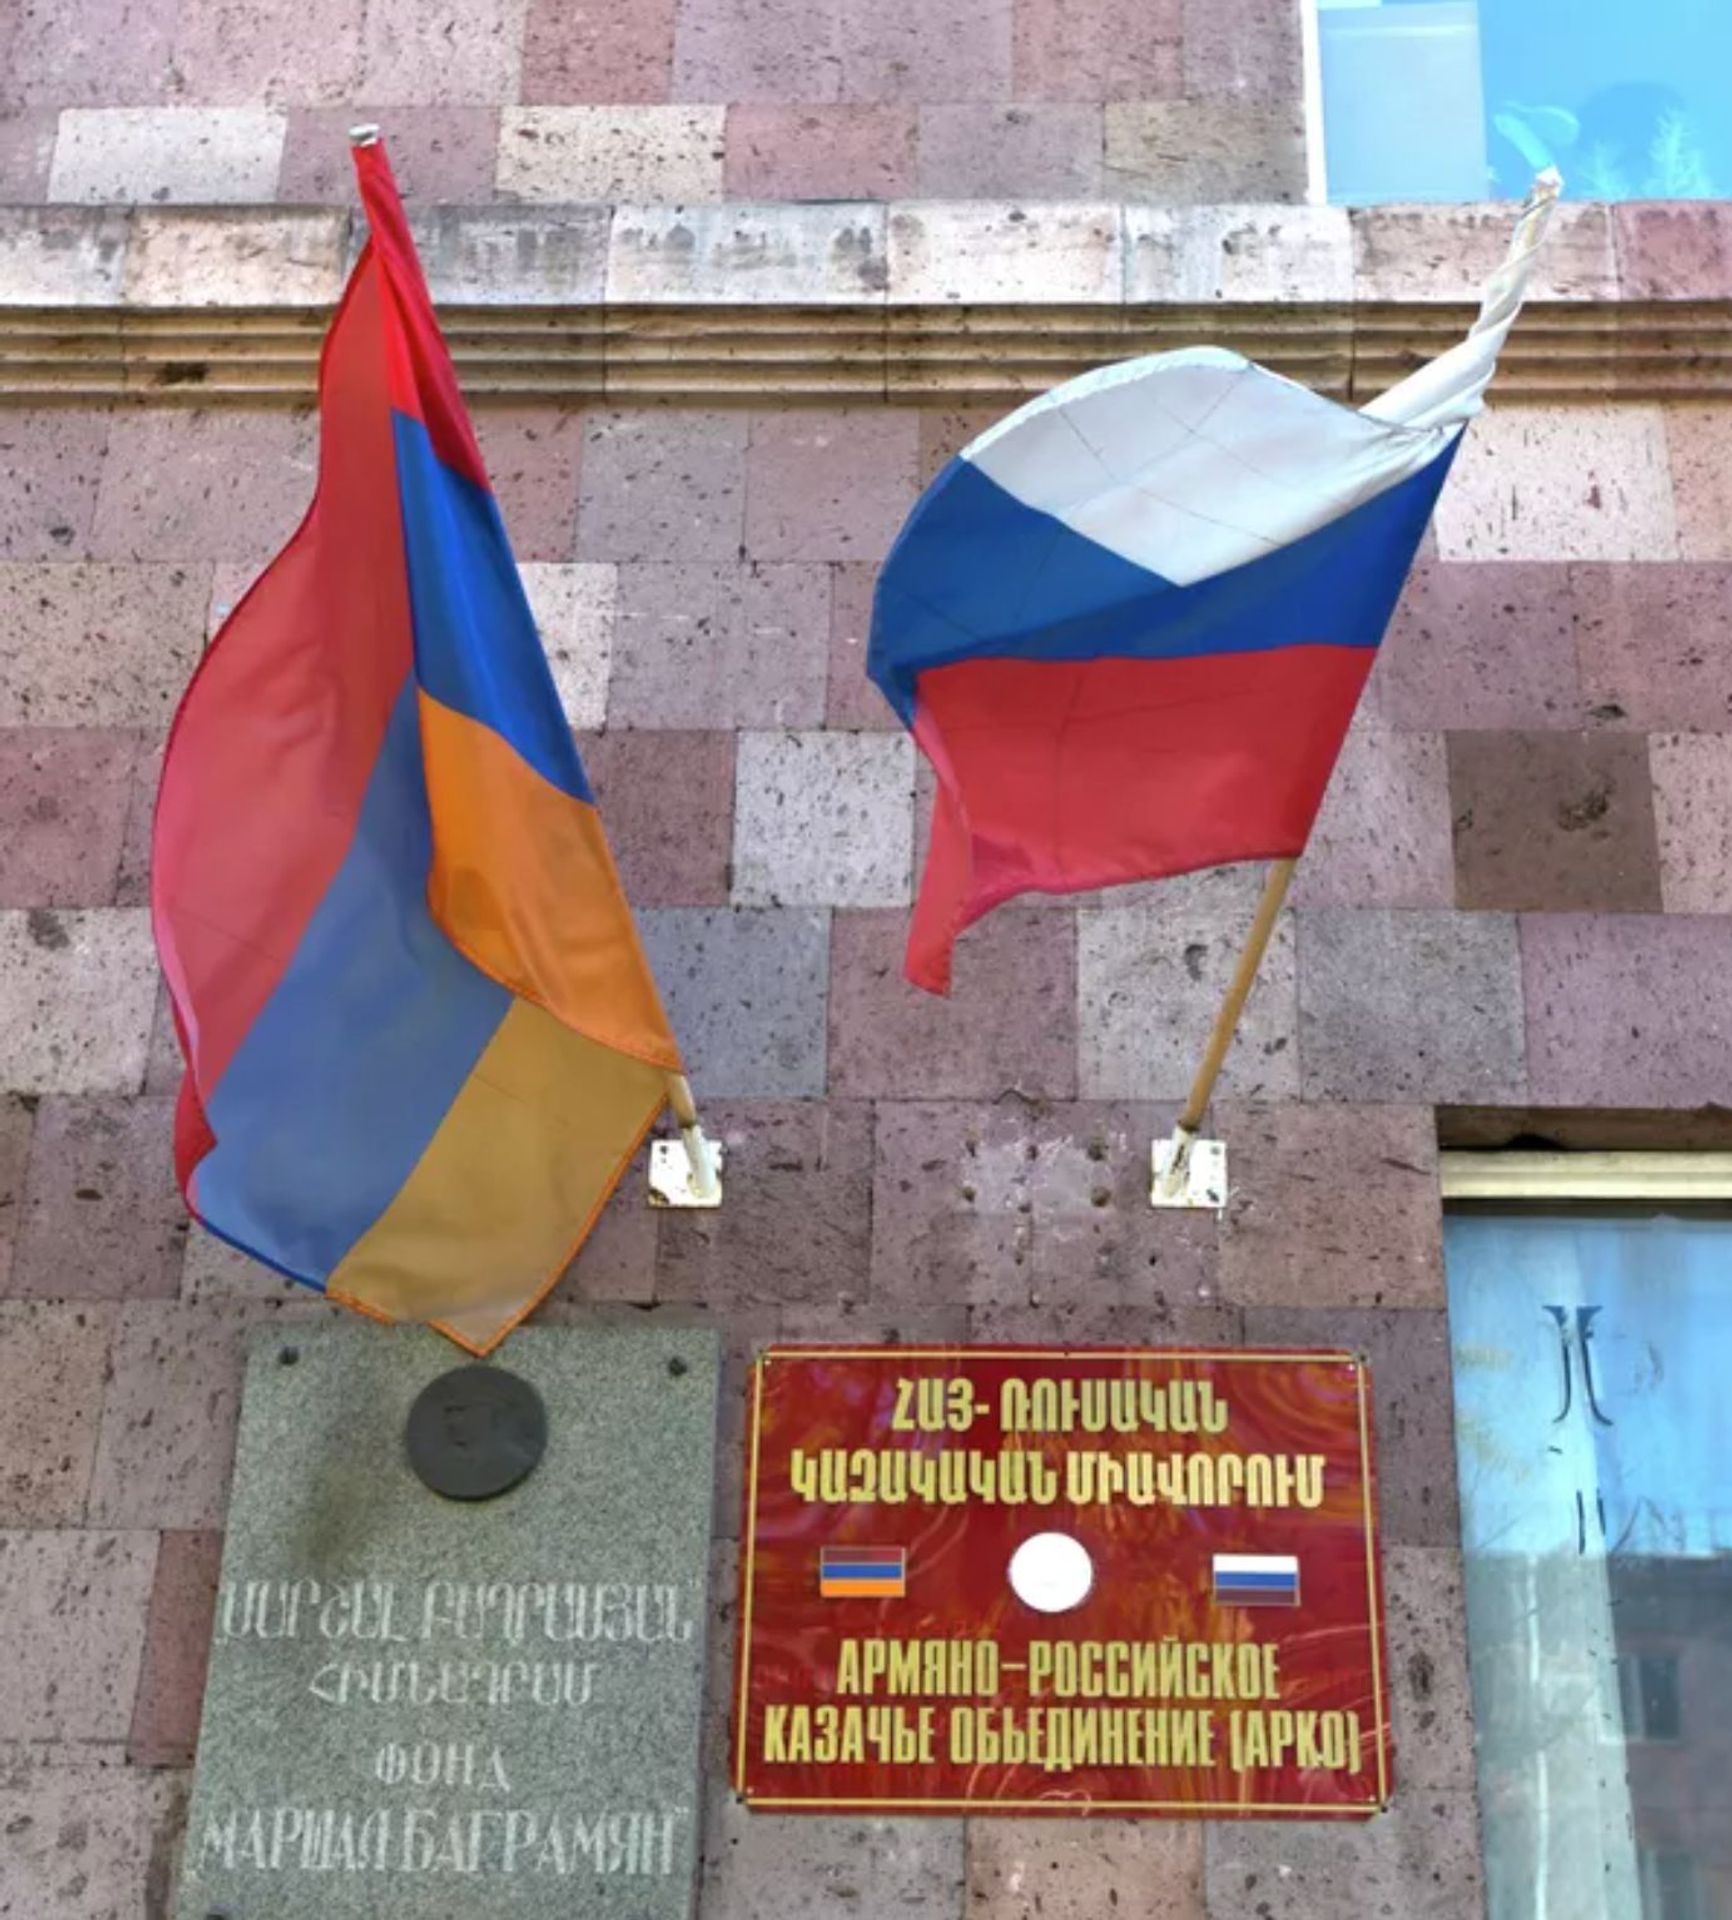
(419, 1707)
(1086, 1581)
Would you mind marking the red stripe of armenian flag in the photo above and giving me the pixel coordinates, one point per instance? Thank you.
(422, 1040)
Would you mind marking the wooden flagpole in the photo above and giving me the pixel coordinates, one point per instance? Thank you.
(1172, 1159)
(706, 1185)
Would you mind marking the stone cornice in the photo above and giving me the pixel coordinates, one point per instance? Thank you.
(926, 303)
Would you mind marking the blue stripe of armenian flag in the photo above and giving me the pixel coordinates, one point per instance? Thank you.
(422, 1040)
(863, 1573)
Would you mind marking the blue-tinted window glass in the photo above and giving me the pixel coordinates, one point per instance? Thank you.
(1592, 1359)
(1468, 99)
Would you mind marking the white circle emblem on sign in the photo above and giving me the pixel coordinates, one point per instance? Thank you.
(1051, 1573)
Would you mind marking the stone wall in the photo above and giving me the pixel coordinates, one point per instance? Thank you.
(1519, 895)
(247, 100)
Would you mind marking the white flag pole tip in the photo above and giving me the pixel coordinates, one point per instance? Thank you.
(365, 135)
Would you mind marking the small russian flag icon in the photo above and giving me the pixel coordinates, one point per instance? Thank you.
(863, 1573)
(1256, 1580)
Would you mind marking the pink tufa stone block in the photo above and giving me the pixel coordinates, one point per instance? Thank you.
(85, 1826)
(1431, 1694)
(534, 456)
(440, 155)
(1018, 1868)
(578, 50)
(53, 1366)
(67, 793)
(1036, 151)
(1549, 483)
(1382, 838)
(754, 50)
(1628, 1010)
(1243, 50)
(74, 1603)
(1098, 50)
(697, 647)
(132, 881)
(1693, 810)
(1331, 1206)
(166, 1708)
(617, 1260)
(909, 50)
(1488, 644)
(667, 802)
(203, 486)
(1011, 1209)
(1154, 963)
(443, 51)
(798, 1221)
(1554, 822)
(50, 467)
(1674, 250)
(17, 1122)
(851, 700)
(1656, 645)
(823, 819)
(26, 148)
(1410, 1006)
(171, 1411)
(663, 486)
(164, 1067)
(829, 486)
(237, 53)
(1008, 1026)
(102, 1217)
(822, 152)
(1213, 153)
(1699, 441)
(90, 53)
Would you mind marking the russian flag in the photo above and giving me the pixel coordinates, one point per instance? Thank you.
(1129, 625)
(1256, 1580)
(421, 1038)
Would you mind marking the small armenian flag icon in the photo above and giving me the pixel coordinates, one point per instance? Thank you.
(863, 1573)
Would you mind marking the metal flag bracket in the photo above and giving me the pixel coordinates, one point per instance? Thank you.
(686, 1172)
(1188, 1172)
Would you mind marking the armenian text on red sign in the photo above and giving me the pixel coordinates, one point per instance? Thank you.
(1061, 1581)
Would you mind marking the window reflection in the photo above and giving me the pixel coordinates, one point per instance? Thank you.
(1593, 1388)
(1468, 99)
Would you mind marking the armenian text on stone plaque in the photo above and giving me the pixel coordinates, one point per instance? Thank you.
(419, 1707)
(1061, 1581)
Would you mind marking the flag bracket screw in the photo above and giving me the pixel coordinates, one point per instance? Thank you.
(671, 1183)
(1189, 1173)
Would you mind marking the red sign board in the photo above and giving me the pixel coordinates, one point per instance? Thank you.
(1025, 1580)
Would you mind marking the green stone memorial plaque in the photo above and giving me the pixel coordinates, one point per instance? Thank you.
(421, 1708)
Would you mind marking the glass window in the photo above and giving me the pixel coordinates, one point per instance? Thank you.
(1592, 1357)
(1469, 99)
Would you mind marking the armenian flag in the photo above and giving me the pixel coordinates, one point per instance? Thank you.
(422, 1040)
(1128, 625)
(863, 1573)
